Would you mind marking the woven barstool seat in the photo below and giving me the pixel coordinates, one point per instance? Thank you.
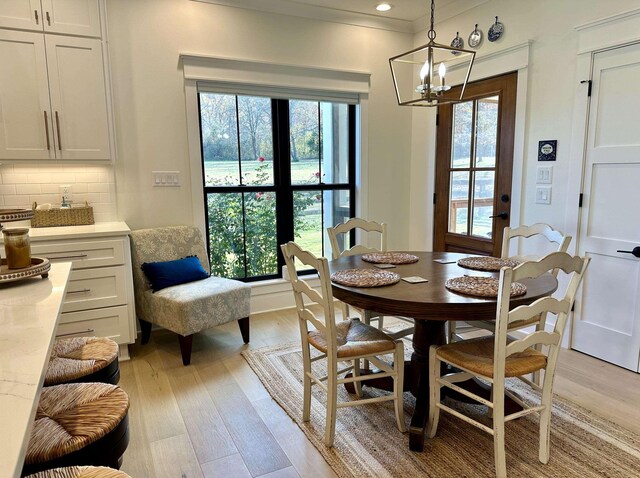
(81, 472)
(83, 359)
(78, 424)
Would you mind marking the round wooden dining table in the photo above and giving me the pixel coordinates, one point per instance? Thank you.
(431, 305)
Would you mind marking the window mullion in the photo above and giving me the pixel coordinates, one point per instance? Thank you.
(282, 158)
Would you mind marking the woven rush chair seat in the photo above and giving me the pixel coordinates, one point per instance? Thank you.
(83, 359)
(354, 339)
(476, 355)
(78, 424)
(81, 472)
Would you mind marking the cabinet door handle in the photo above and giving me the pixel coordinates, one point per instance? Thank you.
(81, 256)
(46, 128)
(88, 331)
(78, 291)
(35, 12)
(48, 19)
(58, 130)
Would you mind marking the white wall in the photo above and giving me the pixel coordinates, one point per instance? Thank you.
(551, 85)
(145, 40)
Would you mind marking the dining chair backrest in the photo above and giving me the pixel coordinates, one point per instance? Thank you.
(305, 295)
(574, 267)
(356, 223)
(538, 229)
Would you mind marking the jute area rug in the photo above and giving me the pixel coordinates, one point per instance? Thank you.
(368, 442)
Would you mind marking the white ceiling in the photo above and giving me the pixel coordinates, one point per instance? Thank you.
(406, 15)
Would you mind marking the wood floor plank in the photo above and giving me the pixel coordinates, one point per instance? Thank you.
(259, 449)
(207, 431)
(137, 460)
(306, 459)
(284, 473)
(160, 412)
(231, 466)
(174, 458)
(246, 378)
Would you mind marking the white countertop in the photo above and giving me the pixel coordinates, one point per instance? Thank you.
(29, 313)
(102, 229)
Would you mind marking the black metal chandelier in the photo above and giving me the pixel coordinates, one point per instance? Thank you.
(430, 63)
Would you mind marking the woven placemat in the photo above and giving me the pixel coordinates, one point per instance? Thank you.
(390, 258)
(486, 263)
(364, 277)
(481, 286)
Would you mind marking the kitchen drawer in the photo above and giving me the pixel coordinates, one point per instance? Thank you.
(95, 288)
(83, 254)
(112, 322)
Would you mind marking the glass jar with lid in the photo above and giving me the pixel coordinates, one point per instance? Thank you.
(17, 248)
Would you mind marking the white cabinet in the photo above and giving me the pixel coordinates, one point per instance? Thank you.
(99, 298)
(71, 17)
(53, 98)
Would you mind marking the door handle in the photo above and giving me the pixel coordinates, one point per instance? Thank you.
(502, 215)
(58, 130)
(635, 251)
(46, 128)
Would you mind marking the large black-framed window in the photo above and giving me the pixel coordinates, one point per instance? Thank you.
(274, 170)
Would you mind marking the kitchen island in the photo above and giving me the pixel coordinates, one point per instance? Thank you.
(29, 314)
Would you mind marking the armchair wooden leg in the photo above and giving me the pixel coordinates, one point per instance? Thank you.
(145, 331)
(244, 329)
(185, 347)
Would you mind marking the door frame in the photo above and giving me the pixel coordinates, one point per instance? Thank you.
(593, 37)
(512, 58)
(506, 86)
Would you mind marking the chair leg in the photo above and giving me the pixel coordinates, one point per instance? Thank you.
(398, 385)
(306, 380)
(185, 347)
(545, 419)
(244, 329)
(145, 331)
(498, 429)
(434, 393)
(356, 373)
(332, 403)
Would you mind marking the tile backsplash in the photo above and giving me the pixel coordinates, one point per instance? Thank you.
(21, 186)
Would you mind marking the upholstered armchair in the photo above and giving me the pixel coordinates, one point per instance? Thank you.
(190, 307)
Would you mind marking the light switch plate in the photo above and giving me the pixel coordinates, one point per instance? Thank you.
(165, 178)
(543, 195)
(544, 175)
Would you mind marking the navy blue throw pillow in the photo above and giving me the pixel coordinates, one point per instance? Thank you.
(180, 271)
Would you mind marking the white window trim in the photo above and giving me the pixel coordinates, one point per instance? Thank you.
(271, 294)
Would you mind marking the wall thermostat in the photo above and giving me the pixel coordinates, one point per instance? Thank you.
(547, 150)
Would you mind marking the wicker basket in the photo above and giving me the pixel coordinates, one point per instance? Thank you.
(74, 216)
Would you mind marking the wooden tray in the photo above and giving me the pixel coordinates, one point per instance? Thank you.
(365, 278)
(39, 267)
(481, 286)
(390, 258)
(486, 263)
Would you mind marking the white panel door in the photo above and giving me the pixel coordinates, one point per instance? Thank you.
(607, 316)
(78, 97)
(24, 14)
(25, 113)
(73, 17)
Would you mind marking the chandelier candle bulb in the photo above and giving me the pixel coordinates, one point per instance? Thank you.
(442, 70)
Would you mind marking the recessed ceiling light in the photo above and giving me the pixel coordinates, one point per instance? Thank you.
(384, 7)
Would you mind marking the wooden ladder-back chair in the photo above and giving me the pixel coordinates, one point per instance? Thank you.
(539, 229)
(497, 357)
(340, 233)
(347, 341)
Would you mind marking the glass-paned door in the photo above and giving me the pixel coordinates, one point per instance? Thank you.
(473, 168)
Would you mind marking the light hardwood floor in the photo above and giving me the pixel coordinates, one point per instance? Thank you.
(215, 419)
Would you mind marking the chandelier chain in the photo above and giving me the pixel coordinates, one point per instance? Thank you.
(432, 32)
